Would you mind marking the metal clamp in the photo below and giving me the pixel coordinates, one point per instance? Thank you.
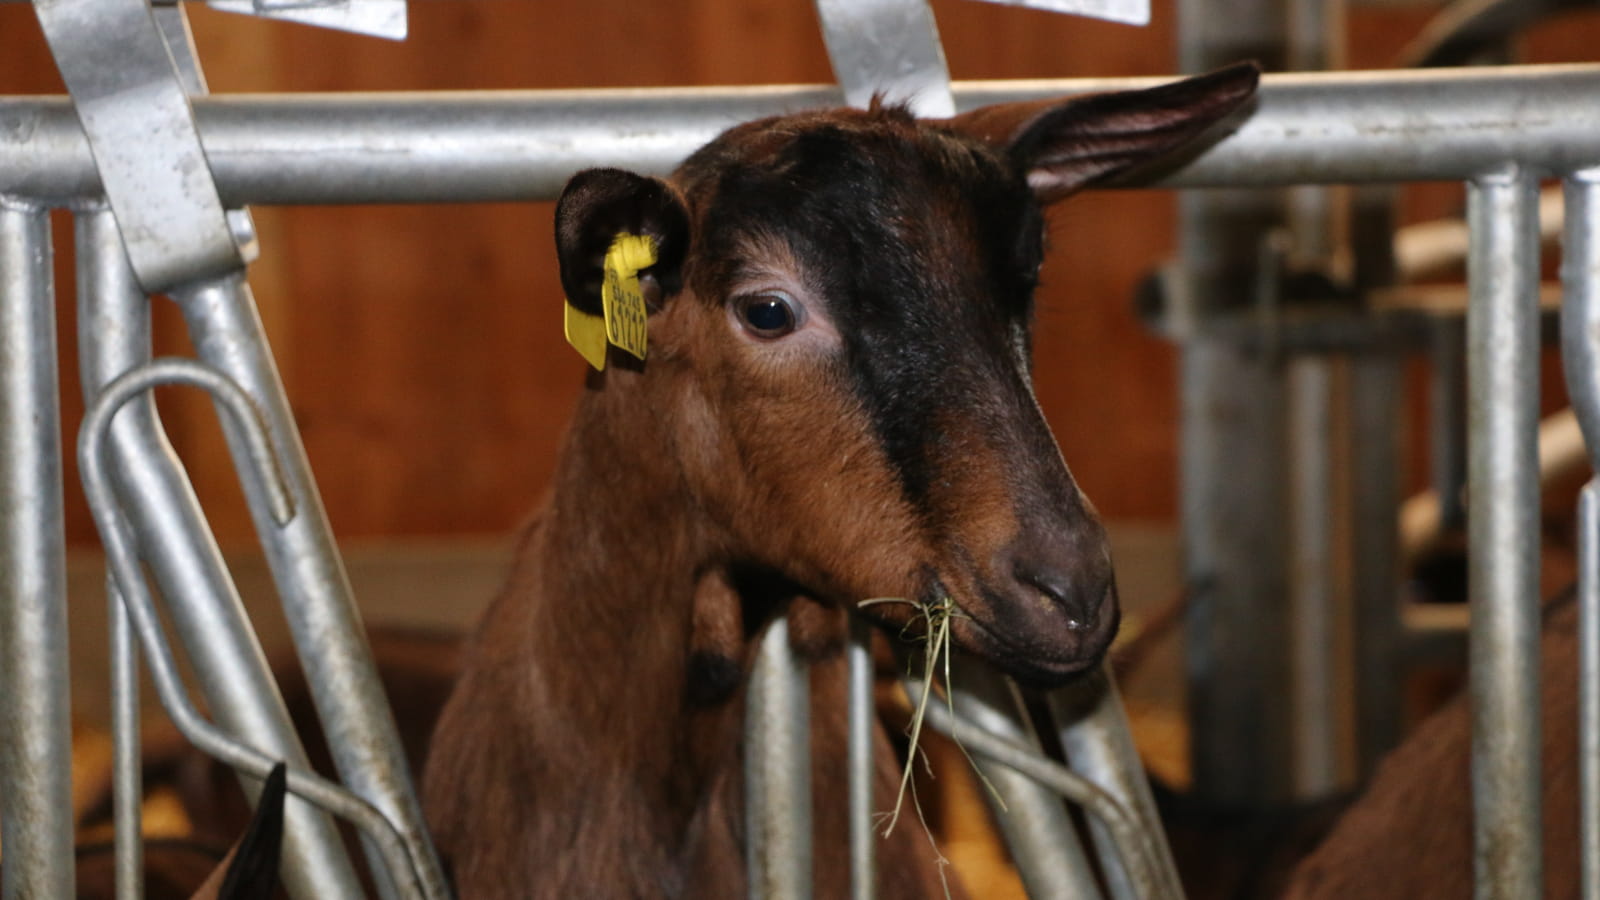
(141, 131)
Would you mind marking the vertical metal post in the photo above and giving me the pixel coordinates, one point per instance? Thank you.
(1093, 727)
(1236, 629)
(1040, 835)
(35, 727)
(1580, 353)
(329, 636)
(1447, 405)
(862, 719)
(777, 755)
(1503, 531)
(1311, 576)
(1375, 390)
(1589, 691)
(127, 791)
(114, 336)
(1233, 508)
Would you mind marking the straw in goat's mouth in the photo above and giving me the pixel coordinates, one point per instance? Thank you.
(936, 657)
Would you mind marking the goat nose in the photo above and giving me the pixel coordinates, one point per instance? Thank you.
(1079, 597)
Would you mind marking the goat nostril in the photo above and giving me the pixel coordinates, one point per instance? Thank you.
(1056, 591)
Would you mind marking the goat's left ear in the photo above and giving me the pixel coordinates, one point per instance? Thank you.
(596, 206)
(1064, 145)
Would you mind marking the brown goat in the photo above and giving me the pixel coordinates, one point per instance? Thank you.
(836, 405)
(1409, 835)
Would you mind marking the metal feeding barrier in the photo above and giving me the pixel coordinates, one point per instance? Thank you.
(164, 214)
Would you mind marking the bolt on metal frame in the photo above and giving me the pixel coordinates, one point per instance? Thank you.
(1351, 127)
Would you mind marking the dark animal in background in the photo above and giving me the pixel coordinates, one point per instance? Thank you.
(1409, 835)
(836, 404)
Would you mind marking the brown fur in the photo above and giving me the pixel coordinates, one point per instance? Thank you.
(1410, 834)
(891, 448)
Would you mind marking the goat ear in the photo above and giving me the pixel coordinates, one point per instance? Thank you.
(1064, 145)
(599, 204)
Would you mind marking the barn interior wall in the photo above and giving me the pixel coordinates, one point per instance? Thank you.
(421, 345)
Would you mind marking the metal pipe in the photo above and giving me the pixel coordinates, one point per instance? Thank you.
(206, 611)
(777, 783)
(1580, 306)
(1589, 691)
(1094, 732)
(1580, 355)
(1376, 386)
(127, 789)
(1044, 844)
(35, 782)
(502, 146)
(225, 329)
(863, 720)
(1311, 619)
(1447, 404)
(1236, 628)
(122, 557)
(1137, 856)
(1503, 531)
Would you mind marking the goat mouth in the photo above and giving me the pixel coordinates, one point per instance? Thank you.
(1032, 664)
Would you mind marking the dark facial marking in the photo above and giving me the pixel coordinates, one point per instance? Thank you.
(924, 244)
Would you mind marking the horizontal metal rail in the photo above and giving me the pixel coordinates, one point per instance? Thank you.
(508, 146)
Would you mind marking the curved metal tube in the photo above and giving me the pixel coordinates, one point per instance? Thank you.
(123, 559)
(1138, 857)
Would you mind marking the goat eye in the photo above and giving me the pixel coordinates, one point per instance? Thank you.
(769, 315)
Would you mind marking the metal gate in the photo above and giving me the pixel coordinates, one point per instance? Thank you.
(169, 218)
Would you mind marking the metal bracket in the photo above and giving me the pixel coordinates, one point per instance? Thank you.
(376, 18)
(1128, 12)
(141, 131)
(891, 48)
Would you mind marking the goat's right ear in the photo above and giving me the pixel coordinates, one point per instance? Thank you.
(600, 204)
(1065, 145)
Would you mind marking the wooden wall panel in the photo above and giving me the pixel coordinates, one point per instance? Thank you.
(422, 346)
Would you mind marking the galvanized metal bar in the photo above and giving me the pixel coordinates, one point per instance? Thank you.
(1503, 531)
(1137, 854)
(36, 742)
(1580, 354)
(1043, 842)
(1376, 389)
(205, 608)
(122, 557)
(1447, 420)
(127, 783)
(1093, 727)
(502, 146)
(1589, 691)
(863, 720)
(1311, 618)
(1234, 530)
(777, 783)
(133, 108)
(1236, 573)
(226, 332)
(1580, 304)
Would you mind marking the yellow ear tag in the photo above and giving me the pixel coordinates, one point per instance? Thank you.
(587, 334)
(625, 312)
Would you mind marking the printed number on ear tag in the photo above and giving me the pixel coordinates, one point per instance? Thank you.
(626, 316)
